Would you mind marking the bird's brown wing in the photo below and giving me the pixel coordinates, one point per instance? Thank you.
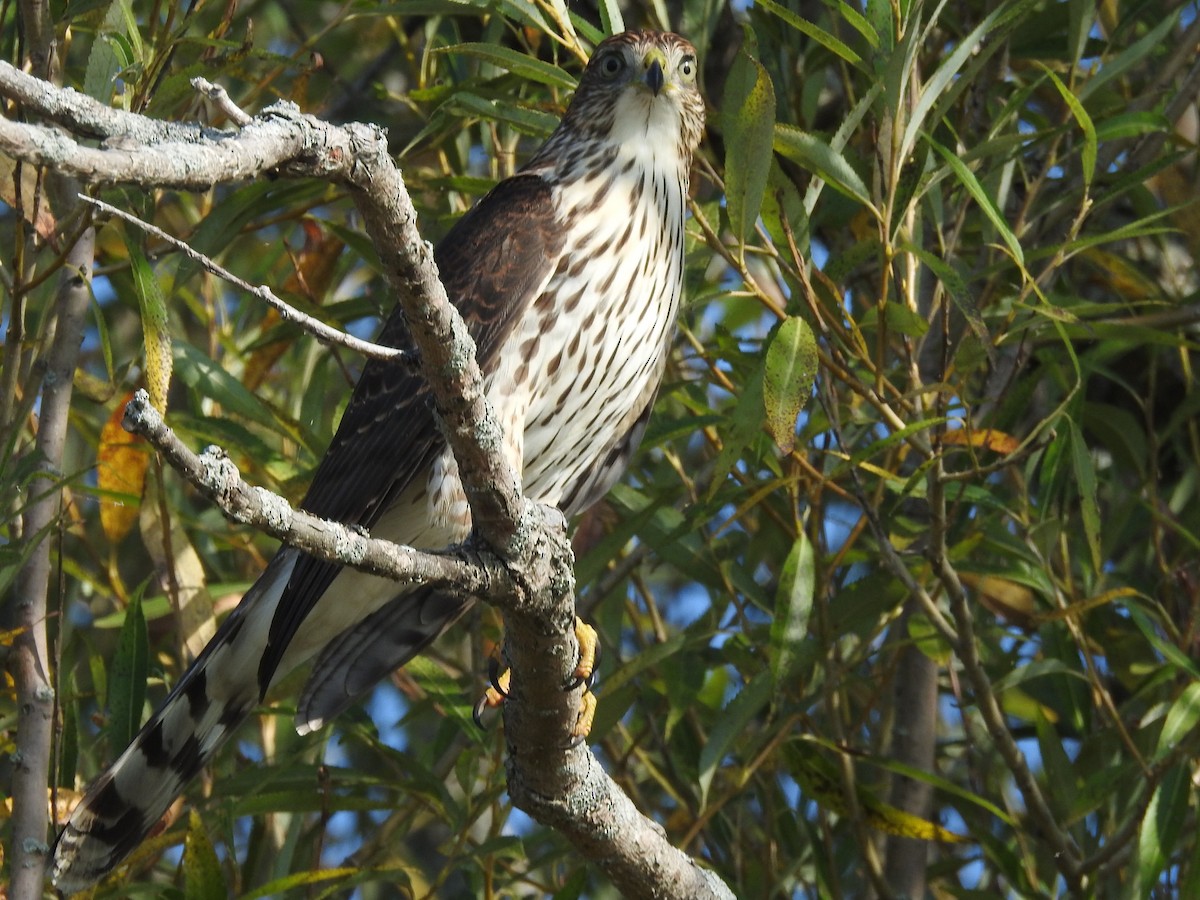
(492, 262)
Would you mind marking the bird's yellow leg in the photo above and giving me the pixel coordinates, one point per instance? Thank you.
(589, 646)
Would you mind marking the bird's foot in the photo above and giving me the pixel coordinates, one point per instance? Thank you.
(589, 656)
(584, 675)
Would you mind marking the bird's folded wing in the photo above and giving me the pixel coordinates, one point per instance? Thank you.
(494, 263)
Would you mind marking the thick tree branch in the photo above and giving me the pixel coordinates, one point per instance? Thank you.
(27, 608)
(86, 117)
(560, 784)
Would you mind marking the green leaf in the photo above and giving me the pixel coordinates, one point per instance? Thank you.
(1173, 655)
(104, 63)
(976, 190)
(793, 604)
(68, 757)
(731, 727)
(895, 437)
(1085, 479)
(788, 376)
(854, 17)
(747, 122)
(744, 424)
(1181, 720)
(526, 12)
(1061, 777)
(1131, 56)
(127, 677)
(902, 320)
(208, 380)
(943, 77)
(1131, 124)
(1161, 827)
(928, 639)
(202, 879)
(956, 287)
(1085, 124)
(610, 17)
(822, 160)
(807, 28)
(529, 121)
(280, 886)
(156, 332)
(946, 786)
(516, 62)
(879, 20)
(574, 886)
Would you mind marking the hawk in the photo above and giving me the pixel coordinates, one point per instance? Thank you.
(569, 277)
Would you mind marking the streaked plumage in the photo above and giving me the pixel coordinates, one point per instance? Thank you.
(569, 276)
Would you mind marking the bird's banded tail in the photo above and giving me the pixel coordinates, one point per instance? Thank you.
(125, 803)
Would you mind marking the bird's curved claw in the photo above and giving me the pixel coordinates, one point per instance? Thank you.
(495, 695)
(497, 679)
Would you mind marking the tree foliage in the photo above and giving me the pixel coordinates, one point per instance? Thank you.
(901, 595)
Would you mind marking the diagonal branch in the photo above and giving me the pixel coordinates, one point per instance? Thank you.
(215, 476)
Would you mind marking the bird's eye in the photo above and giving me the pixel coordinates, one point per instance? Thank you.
(611, 66)
(687, 68)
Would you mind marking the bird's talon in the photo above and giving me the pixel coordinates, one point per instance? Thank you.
(497, 679)
(495, 695)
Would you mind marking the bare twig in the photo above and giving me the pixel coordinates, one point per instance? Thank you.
(318, 329)
(27, 607)
(219, 97)
(1066, 852)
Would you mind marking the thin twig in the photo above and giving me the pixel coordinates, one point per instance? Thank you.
(318, 329)
(219, 97)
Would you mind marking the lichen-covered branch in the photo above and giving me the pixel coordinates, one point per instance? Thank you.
(214, 474)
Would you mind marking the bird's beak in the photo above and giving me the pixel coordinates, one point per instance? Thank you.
(654, 77)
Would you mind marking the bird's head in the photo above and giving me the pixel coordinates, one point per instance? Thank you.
(640, 86)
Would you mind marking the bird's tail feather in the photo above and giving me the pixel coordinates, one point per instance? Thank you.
(354, 661)
(123, 805)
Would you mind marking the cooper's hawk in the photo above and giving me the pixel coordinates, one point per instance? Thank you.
(569, 276)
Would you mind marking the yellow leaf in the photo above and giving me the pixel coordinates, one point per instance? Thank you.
(989, 438)
(1118, 275)
(1075, 610)
(821, 783)
(1004, 598)
(121, 461)
(177, 559)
